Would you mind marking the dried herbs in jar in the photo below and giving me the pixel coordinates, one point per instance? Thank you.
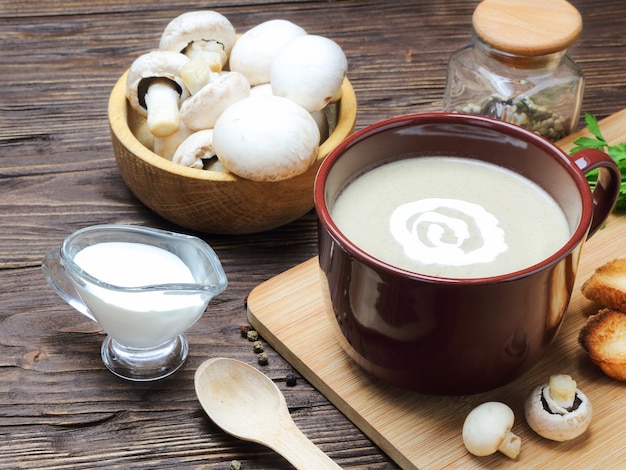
(517, 69)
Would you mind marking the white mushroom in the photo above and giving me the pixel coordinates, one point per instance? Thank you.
(202, 109)
(487, 429)
(194, 149)
(265, 89)
(558, 410)
(309, 70)
(203, 34)
(167, 146)
(155, 89)
(266, 138)
(255, 49)
(320, 117)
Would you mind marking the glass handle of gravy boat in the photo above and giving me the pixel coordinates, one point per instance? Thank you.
(57, 277)
(608, 184)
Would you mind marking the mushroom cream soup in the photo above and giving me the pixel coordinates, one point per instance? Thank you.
(450, 217)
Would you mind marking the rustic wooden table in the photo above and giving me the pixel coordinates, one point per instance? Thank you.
(59, 406)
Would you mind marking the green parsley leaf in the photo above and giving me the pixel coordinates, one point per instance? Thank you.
(616, 152)
(594, 127)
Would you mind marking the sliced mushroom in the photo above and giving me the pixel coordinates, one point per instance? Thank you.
(255, 49)
(487, 429)
(309, 70)
(203, 34)
(202, 109)
(266, 138)
(558, 410)
(154, 88)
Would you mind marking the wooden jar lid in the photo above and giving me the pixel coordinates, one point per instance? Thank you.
(527, 27)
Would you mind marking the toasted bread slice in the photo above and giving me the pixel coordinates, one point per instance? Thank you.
(607, 286)
(604, 339)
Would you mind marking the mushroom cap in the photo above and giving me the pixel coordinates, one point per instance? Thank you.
(194, 148)
(254, 51)
(309, 70)
(486, 426)
(198, 25)
(266, 138)
(264, 89)
(154, 64)
(560, 424)
(320, 116)
(201, 110)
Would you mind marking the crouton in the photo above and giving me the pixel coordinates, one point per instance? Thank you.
(604, 339)
(607, 286)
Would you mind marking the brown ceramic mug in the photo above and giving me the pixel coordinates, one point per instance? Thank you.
(446, 335)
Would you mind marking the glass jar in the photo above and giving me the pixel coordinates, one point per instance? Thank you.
(517, 69)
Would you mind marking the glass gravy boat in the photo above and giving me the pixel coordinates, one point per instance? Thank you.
(145, 323)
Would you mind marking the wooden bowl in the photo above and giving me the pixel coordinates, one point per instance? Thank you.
(213, 201)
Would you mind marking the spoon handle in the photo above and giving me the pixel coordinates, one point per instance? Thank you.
(303, 454)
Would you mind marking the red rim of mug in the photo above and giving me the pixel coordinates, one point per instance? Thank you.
(323, 213)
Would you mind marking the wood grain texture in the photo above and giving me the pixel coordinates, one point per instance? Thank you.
(59, 406)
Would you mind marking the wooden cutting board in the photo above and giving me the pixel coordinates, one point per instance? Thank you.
(421, 431)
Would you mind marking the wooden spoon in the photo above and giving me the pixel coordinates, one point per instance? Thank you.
(245, 403)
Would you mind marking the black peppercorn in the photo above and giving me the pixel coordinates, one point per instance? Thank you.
(252, 335)
(262, 358)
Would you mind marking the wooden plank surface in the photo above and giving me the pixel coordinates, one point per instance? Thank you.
(59, 406)
(422, 431)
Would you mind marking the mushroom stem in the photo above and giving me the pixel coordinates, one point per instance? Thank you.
(162, 105)
(562, 390)
(196, 73)
(167, 146)
(211, 51)
(511, 445)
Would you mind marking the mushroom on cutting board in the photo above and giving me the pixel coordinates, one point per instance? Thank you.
(202, 109)
(309, 70)
(255, 49)
(155, 89)
(487, 429)
(558, 410)
(266, 138)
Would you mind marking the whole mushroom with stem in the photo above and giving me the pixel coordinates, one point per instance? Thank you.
(195, 150)
(558, 410)
(155, 89)
(487, 430)
(203, 34)
(206, 37)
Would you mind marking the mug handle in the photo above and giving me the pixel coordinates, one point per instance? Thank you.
(607, 187)
(55, 274)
